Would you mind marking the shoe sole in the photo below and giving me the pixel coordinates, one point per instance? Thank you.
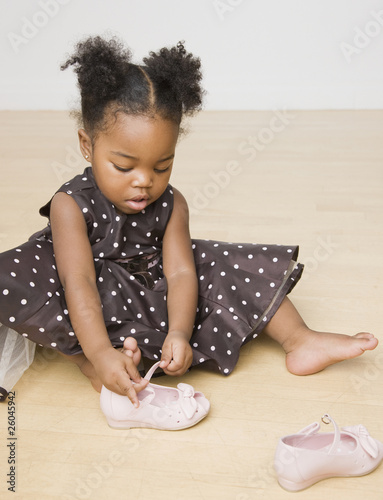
(291, 486)
(115, 424)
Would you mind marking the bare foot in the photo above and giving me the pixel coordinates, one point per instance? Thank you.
(132, 350)
(313, 351)
(87, 369)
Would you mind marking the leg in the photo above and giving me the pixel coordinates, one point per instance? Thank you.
(130, 348)
(308, 351)
(86, 367)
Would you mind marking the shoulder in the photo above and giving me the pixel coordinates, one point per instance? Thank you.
(65, 211)
(177, 253)
(180, 205)
(80, 182)
(80, 186)
(72, 247)
(180, 214)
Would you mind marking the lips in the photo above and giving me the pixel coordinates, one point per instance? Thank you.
(138, 202)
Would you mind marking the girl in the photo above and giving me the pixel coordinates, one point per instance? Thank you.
(116, 268)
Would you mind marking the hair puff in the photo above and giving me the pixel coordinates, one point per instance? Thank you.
(169, 82)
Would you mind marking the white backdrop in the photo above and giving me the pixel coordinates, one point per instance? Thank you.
(256, 54)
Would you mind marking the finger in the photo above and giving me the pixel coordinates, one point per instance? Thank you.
(140, 385)
(175, 369)
(132, 370)
(134, 380)
(166, 357)
(127, 389)
(164, 363)
(175, 365)
(176, 373)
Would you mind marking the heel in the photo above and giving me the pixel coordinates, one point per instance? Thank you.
(115, 424)
(292, 486)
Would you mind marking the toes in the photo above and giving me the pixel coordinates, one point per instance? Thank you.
(373, 342)
(132, 350)
(369, 341)
(364, 335)
(130, 344)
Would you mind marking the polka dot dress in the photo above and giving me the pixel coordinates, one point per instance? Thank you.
(240, 285)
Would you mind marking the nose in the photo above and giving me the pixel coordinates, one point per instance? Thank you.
(142, 178)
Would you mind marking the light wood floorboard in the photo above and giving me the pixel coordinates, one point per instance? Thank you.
(316, 180)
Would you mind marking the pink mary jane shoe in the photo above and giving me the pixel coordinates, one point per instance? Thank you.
(307, 457)
(161, 407)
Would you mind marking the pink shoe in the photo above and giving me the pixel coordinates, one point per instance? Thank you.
(161, 407)
(305, 458)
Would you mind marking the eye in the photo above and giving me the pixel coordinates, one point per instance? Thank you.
(121, 169)
(162, 170)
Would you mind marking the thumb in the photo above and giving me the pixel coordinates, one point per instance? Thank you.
(133, 373)
(167, 356)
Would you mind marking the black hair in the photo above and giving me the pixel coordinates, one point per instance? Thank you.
(168, 82)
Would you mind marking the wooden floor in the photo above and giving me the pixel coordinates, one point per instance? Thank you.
(312, 178)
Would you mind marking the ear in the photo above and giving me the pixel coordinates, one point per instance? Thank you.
(85, 144)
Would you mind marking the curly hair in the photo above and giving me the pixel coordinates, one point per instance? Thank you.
(168, 83)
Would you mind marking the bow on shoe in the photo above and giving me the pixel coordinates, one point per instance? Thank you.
(186, 400)
(366, 441)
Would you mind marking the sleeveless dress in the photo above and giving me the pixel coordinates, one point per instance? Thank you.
(240, 285)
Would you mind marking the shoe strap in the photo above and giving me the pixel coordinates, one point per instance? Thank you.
(310, 429)
(149, 375)
(326, 419)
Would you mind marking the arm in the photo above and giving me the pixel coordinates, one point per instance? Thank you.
(180, 273)
(77, 274)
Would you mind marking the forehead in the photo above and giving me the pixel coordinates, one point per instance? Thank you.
(139, 132)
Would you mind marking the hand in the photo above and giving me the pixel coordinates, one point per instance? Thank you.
(177, 354)
(118, 372)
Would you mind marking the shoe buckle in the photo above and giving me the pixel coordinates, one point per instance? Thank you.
(326, 419)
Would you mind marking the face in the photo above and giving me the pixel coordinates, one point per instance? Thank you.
(132, 159)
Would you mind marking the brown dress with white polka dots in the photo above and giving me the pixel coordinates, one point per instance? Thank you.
(240, 285)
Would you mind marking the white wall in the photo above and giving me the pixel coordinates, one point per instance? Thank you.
(256, 54)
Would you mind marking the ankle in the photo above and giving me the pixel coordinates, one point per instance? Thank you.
(297, 337)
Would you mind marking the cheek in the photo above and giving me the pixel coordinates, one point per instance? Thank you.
(107, 181)
(163, 182)
(116, 184)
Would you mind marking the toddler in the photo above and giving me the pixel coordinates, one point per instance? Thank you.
(115, 274)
